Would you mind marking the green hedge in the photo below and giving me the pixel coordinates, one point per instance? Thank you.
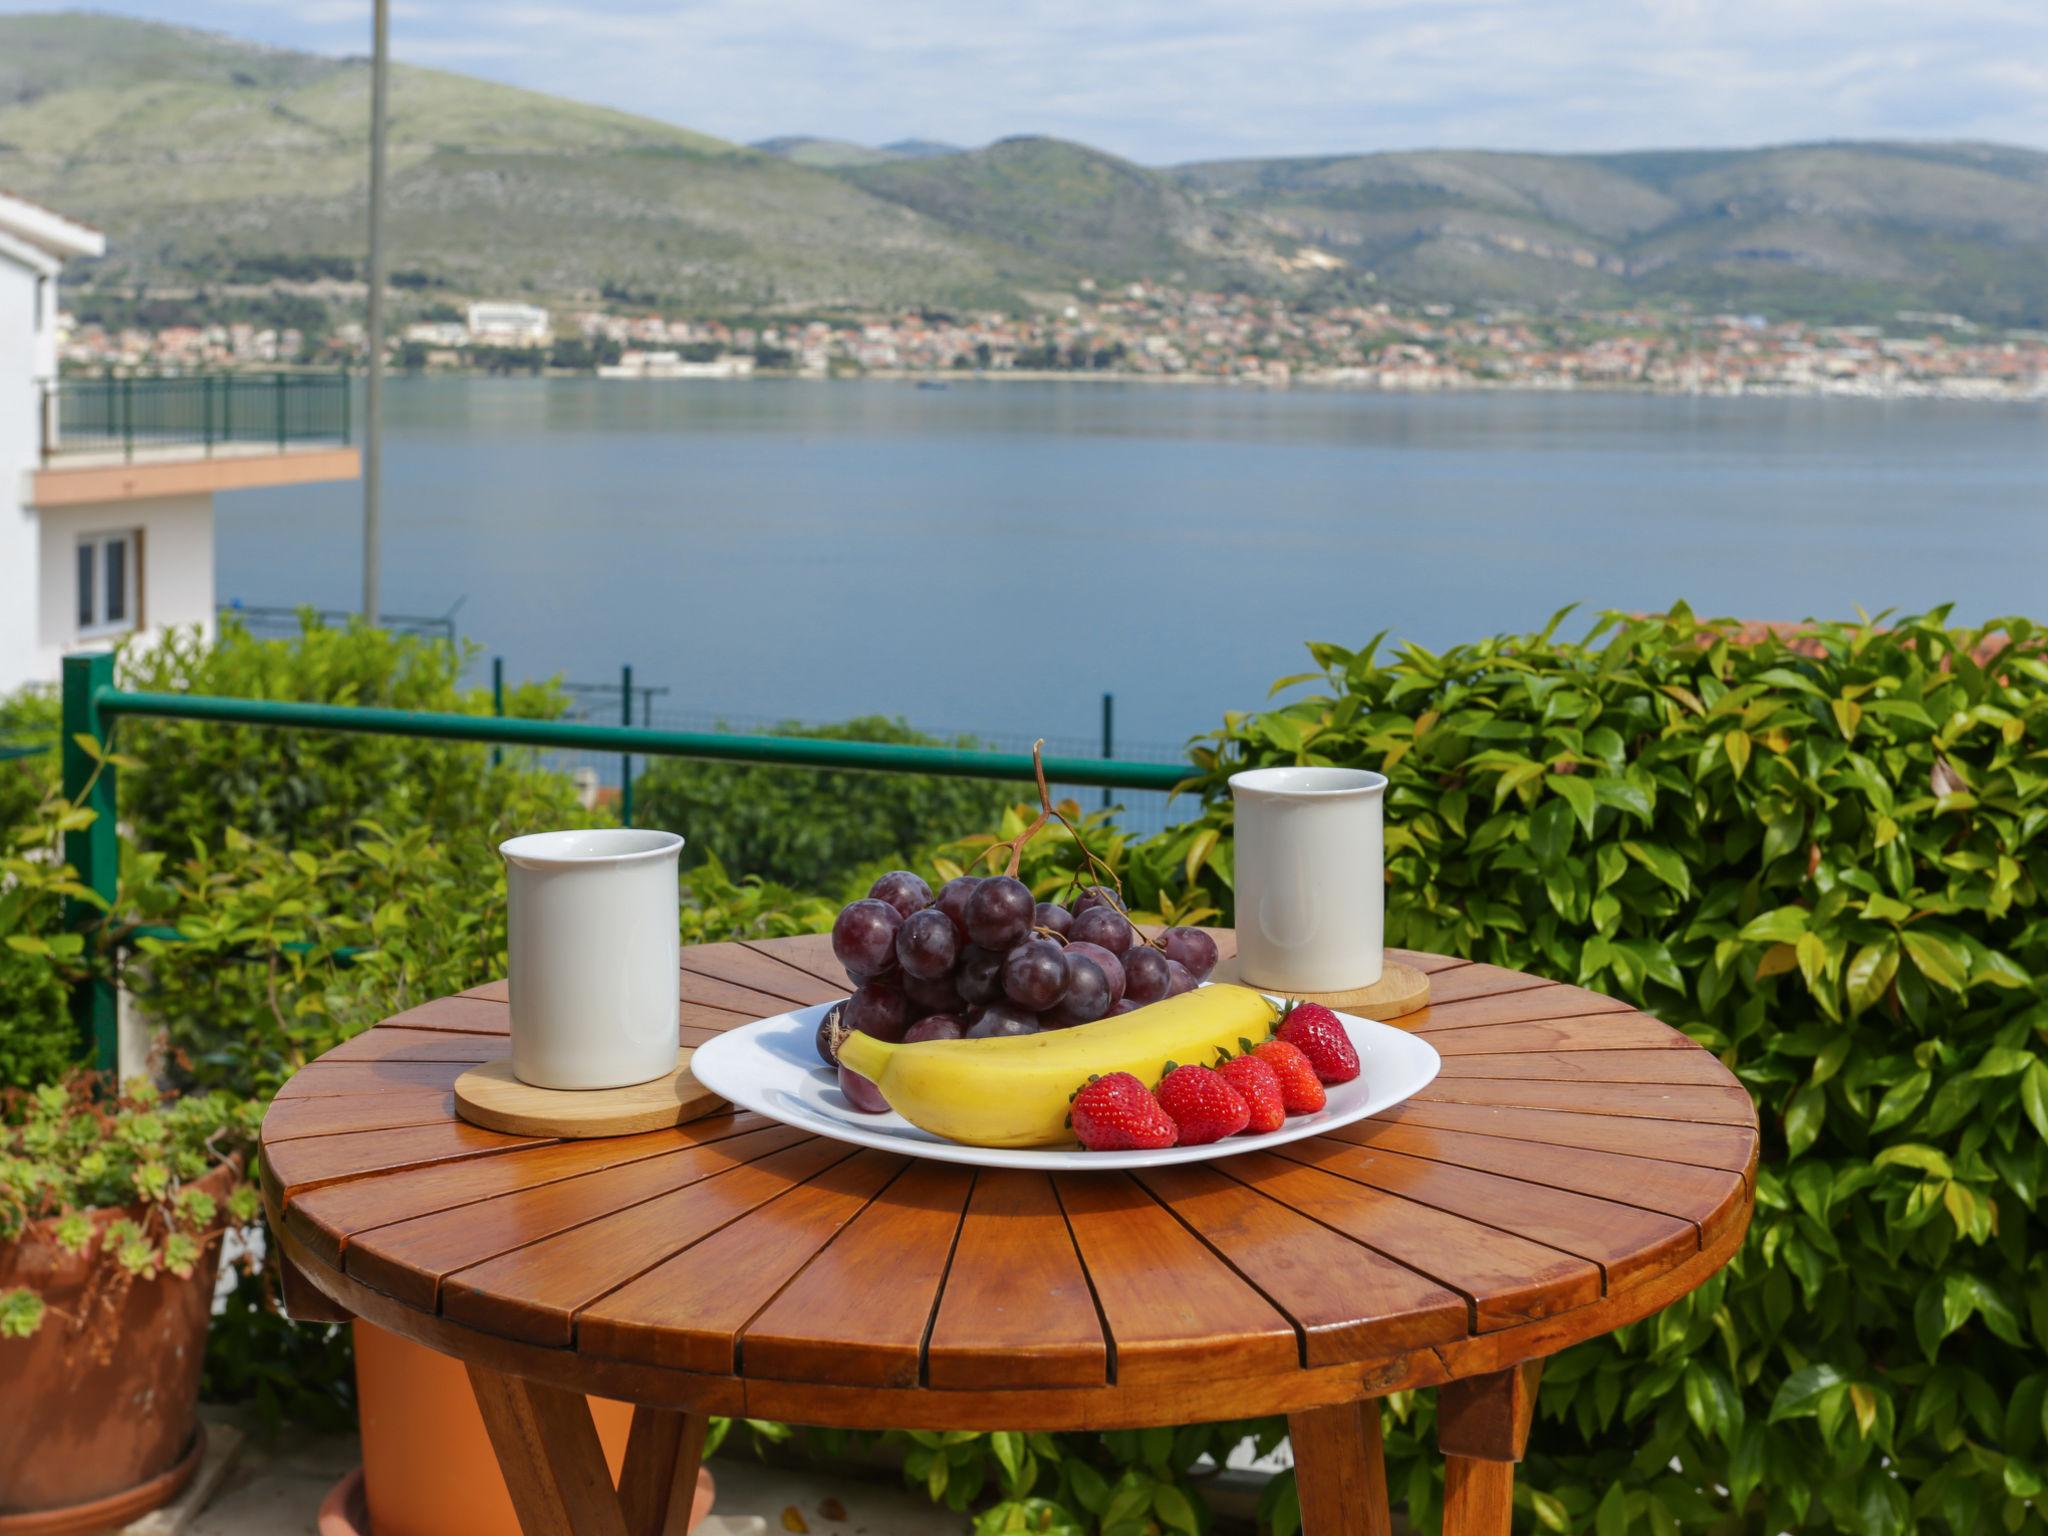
(1824, 860)
(813, 828)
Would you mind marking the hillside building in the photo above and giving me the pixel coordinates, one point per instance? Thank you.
(107, 483)
(496, 323)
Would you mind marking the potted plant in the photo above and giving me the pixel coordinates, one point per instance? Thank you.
(112, 1205)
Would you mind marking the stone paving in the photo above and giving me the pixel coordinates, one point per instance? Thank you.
(275, 1489)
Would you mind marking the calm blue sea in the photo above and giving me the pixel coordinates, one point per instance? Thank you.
(996, 556)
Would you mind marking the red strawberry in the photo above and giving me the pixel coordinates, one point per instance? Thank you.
(1315, 1032)
(1300, 1089)
(1257, 1085)
(1117, 1114)
(1203, 1104)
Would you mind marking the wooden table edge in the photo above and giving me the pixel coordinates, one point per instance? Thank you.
(1106, 1406)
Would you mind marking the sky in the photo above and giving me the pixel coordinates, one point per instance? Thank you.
(1162, 81)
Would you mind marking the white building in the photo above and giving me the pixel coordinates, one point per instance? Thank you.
(106, 485)
(495, 323)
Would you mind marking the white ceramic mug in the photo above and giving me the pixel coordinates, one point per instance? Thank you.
(1310, 877)
(596, 959)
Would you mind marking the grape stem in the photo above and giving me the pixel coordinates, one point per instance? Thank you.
(1048, 812)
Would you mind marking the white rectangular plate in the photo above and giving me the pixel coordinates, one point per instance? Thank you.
(772, 1066)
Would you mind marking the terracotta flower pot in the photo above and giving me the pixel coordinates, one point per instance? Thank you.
(95, 1413)
(428, 1467)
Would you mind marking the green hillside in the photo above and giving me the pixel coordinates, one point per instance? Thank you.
(1845, 231)
(204, 157)
(214, 163)
(1078, 209)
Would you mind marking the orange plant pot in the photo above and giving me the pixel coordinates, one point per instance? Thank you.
(428, 1467)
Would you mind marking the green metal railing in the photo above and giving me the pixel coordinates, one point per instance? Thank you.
(92, 703)
(119, 413)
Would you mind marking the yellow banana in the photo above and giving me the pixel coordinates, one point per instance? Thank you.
(1012, 1091)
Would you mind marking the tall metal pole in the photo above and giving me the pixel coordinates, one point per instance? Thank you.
(626, 762)
(373, 398)
(1108, 737)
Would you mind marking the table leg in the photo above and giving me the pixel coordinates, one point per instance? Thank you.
(659, 1480)
(1482, 1427)
(1338, 1470)
(555, 1469)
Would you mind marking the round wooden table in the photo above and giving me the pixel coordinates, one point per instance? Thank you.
(1576, 1166)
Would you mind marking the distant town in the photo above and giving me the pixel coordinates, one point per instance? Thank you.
(1151, 332)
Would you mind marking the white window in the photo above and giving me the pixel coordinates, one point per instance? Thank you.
(107, 582)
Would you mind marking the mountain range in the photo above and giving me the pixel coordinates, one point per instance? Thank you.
(209, 160)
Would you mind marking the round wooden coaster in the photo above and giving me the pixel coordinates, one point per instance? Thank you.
(490, 1096)
(1400, 990)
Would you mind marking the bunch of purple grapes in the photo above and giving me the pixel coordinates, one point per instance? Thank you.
(982, 958)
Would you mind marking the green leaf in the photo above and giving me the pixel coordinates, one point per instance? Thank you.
(1624, 794)
(1578, 794)
(21, 1313)
(1800, 1394)
(1935, 959)
(1610, 1518)
(1900, 1100)
(2034, 1097)
(1781, 925)
(1662, 862)
(1736, 744)
(1804, 1118)
(1870, 973)
(1912, 1154)
(2004, 1061)
(1008, 1447)
(1174, 1510)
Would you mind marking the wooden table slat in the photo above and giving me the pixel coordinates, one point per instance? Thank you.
(1588, 1032)
(1706, 1104)
(810, 952)
(535, 1292)
(1325, 1282)
(1016, 1310)
(1705, 1145)
(1628, 1242)
(1527, 1005)
(293, 1166)
(1478, 980)
(1508, 1279)
(409, 1259)
(1702, 1196)
(859, 1312)
(327, 1218)
(288, 1119)
(689, 1310)
(1655, 1066)
(1168, 1306)
(394, 1042)
(763, 972)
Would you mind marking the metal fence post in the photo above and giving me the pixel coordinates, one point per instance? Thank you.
(128, 418)
(277, 402)
(206, 409)
(1108, 737)
(626, 762)
(497, 702)
(93, 851)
